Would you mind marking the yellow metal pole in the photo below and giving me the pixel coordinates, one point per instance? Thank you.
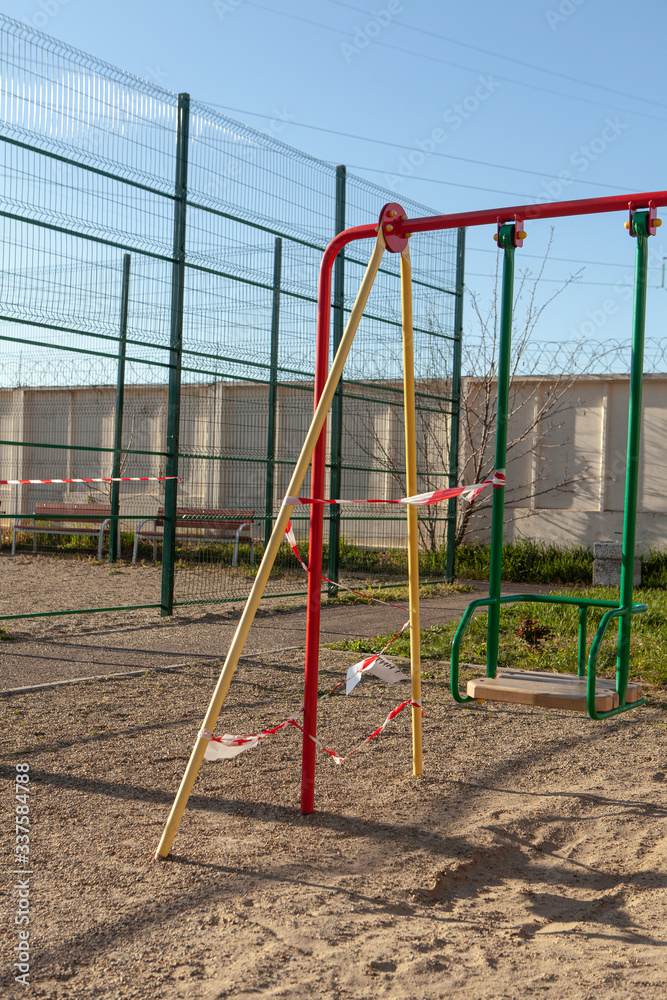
(411, 488)
(296, 482)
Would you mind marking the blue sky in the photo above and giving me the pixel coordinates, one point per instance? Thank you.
(495, 104)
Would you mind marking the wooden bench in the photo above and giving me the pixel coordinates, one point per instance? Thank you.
(66, 519)
(202, 524)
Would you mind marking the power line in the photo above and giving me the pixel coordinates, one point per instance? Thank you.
(434, 180)
(446, 156)
(500, 55)
(573, 281)
(447, 62)
(563, 260)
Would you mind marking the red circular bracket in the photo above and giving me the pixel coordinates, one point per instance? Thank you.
(392, 218)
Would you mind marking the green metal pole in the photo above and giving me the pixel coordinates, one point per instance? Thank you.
(118, 419)
(336, 456)
(640, 229)
(175, 357)
(581, 662)
(455, 423)
(273, 390)
(506, 237)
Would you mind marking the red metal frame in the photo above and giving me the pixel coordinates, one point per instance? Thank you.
(401, 228)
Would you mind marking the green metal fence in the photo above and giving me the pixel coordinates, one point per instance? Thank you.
(157, 314)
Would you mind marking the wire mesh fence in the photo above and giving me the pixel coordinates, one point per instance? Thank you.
(224, 227)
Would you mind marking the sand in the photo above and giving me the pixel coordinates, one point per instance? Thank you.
(530, 859)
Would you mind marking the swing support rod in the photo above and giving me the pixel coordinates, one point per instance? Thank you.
(275, 541)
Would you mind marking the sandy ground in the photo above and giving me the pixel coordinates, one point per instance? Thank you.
(70, 646)
(530, 859)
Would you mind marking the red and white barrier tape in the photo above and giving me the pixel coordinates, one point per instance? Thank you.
(291, 541)
(110, 479)
(392, 715)
(228, 746)
(290, 538)
(421, 499)
(376, 664)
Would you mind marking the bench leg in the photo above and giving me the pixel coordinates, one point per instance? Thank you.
(101, 537)
(235, 556)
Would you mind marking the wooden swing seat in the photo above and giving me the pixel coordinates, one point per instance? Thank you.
(549, 690)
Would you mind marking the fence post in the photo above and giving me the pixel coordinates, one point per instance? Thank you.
(114, 527)
(175, 355)
(455, 422)
(273, 390)
(337, 404)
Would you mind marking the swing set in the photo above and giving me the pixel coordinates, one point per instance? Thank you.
(598, 697)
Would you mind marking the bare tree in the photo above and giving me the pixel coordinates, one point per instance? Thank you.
(101, 492)
(535, 400)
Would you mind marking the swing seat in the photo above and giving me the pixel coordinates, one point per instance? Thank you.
(550, 690)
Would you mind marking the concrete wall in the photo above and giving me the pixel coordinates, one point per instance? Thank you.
(565, 474)
(566, 481)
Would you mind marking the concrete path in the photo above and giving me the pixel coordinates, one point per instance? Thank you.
(47, 650)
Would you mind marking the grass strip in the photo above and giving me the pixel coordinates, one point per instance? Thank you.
(544, 637)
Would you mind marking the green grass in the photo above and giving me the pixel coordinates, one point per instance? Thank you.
(654, 570)
(398, 592)
(523, 561)
(528, 562)
(533, 562)
(557, 650)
